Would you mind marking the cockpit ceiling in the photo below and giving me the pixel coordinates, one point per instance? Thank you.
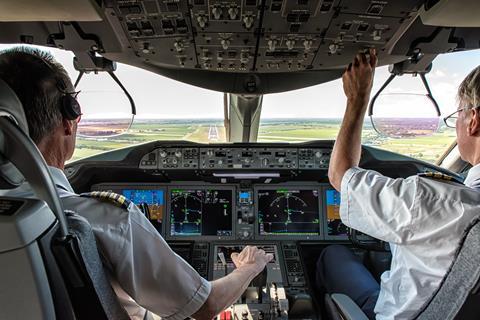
(244, 46)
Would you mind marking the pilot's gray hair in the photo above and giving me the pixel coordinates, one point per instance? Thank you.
(469, 90)
(34, 76)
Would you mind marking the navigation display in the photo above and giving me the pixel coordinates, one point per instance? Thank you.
(288, 212)
(335, 227)
(201, 212)
(151, 202)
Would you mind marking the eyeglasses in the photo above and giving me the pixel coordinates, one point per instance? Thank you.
(451, 120)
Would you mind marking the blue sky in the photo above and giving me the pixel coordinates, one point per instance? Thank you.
(160, 97)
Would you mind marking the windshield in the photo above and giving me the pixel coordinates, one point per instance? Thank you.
(171, 110)
(316, 112)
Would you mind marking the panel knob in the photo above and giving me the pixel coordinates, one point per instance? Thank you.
(272, 43)
(307, 44)
(225, 43)
(202, 21)
(290, 44)
(233, 13)
(217, 13)
(248, 21)
(377, 35)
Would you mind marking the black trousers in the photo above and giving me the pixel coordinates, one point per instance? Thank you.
(340, 271)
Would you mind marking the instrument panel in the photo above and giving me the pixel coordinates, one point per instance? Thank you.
(175, 158)
(194, 211)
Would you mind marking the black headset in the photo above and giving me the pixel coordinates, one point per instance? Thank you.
(69, 106)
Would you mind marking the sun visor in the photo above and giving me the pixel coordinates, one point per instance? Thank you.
(451, 13)
(49, 10)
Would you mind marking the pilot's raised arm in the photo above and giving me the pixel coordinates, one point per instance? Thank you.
(423, 217)
(146, 274)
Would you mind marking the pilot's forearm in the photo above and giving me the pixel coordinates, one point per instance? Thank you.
(225, 292)
(347, 150)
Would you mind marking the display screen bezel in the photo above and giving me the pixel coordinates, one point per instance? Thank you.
(119, 187)
(325, 217)
(167, 223)
(321, 213)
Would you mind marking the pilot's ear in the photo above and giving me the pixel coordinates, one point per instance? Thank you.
(474, 123)
(67, 127)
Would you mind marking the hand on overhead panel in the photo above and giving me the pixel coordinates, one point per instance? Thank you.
(358, 77)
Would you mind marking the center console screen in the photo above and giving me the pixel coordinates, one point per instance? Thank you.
(288, 212)
(201, 212)
(335, 227)
(150, 201)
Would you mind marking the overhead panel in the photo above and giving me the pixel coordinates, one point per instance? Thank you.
(263, 36)
(225, 33)
(159, 30)
(357, 26)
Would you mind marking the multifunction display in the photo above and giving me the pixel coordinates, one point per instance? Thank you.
(335, 227)
(201, 212)
(288, 212)
(150, 201)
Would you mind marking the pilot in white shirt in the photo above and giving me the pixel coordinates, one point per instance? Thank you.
(144, 271)
(423, 219)
(133, 252)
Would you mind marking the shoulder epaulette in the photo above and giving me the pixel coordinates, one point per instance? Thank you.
(440, 176)
(107, 196)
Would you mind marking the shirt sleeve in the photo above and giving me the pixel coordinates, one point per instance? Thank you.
(379, 206)
(153, 275)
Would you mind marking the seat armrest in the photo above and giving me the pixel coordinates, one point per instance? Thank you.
(348, 309)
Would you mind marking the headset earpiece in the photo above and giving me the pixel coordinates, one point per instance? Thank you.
(70, 107)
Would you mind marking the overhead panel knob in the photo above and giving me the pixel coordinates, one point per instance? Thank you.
(377, 35)
(248, 21)
(233, 13)
(333, 48)
(178, 46)
(202, 21)
(290, 44)
(217, 12)
(225, 43)
(272, 44)
(307, 44)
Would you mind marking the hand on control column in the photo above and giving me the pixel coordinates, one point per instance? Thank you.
(251, 257)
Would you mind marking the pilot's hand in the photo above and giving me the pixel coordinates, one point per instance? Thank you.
(251, 257)
(358, 77)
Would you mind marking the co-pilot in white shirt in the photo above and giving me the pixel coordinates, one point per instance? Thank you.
(145, 273)
(424, 221)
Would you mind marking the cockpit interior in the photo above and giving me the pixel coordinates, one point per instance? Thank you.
(212, 198)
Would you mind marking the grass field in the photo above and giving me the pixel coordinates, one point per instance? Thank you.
(428, 148)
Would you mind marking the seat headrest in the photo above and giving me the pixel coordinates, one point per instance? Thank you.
(11, 106)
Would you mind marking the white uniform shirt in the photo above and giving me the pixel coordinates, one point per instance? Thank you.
(424, 221)
(144, 271)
